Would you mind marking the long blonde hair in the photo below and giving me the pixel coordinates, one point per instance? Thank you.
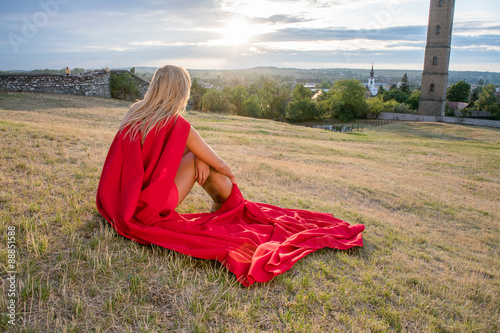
(166, 97)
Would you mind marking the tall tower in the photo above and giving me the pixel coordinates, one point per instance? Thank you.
(437, 58)
(371, 83)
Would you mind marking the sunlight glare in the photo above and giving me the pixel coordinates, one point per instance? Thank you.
(237, 32)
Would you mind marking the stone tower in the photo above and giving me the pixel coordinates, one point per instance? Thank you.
(437, 58)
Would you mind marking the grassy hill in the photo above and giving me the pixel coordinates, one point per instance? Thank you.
(428, 194)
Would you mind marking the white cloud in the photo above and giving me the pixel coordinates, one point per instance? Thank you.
(342, 45)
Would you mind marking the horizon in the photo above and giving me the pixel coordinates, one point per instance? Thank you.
(250, 68)
(232, 35)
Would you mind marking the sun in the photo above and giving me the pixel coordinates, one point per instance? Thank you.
(237, 32)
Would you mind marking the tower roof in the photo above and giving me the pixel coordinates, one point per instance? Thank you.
(371, 72)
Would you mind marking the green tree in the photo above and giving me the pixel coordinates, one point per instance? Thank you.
(215, 100)
(302, 108)
(376, 105)
(346, 100)
(300, 92)
(474, 96)
(494, 110)
(273, 100)
(487, 98)
(323, 85)
(405, 85)
(458, 92)
(123, 86)
(252, 107)
(381, 91)
(395, 94)
(197, 92)
(414, 100)
(237, 96)
(78, 70)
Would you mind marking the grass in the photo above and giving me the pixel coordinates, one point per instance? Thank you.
(428, 194)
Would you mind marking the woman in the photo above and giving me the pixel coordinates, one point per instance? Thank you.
(166, 100)
(152, 165)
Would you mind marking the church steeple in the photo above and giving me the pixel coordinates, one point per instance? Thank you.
(371, 83)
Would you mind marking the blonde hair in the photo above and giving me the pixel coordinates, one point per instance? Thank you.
(166, 97)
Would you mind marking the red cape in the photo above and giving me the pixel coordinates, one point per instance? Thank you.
(255, 241)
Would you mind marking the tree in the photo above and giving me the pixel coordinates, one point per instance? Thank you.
(405, 85)
(302, 108)
(323, 85)
(252, 107)
(381, 91)
(197, 92)
(458, 92)
(346, 100)
(216, 101)
(475, 94)
(487, 98)
(494, 110)
(376, 105)
(237, 96)
(78, 70)
(300, 92)
(414, 100)
(395, 94)
(123, 86)
(273, 100)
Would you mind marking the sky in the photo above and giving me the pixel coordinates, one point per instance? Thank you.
(236, 34)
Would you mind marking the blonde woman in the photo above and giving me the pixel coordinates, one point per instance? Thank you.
(154, 161)
(165, 101)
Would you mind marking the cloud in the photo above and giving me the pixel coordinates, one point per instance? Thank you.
(281, 18)
(410, 33)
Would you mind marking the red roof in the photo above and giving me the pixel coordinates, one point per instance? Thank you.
(458, 105)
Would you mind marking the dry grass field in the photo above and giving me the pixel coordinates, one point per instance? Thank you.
(428, 194)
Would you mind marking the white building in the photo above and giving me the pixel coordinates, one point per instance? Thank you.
(371, 83)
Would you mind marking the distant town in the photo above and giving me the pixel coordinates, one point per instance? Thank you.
(223, 78)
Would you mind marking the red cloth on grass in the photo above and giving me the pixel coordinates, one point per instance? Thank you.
(255, 241)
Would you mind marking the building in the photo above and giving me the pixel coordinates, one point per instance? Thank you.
(437, 58)
(371, 83)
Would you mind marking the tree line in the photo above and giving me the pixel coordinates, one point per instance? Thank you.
(267, 98)
(344, 100)
(481, 98)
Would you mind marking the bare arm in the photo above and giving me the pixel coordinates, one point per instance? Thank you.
(205, 153)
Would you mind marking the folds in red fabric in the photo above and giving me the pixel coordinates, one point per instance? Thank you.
(255, 241)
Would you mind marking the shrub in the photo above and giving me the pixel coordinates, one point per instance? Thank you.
(123, 86)
(216, 101)
(403, 108)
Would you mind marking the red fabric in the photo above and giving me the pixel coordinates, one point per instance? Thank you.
(255, 241)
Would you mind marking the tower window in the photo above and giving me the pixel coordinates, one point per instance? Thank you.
(435, 61)
(438, 29)
(440, 3)
(432, 87)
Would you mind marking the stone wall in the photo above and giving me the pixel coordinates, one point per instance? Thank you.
(88, 84)
(94, 83)
(452, 120)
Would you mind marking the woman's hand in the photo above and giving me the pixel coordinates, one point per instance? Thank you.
(206, 154)
(201, 171)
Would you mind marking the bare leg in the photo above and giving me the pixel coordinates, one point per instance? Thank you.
(218, 183)
(184, 179)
